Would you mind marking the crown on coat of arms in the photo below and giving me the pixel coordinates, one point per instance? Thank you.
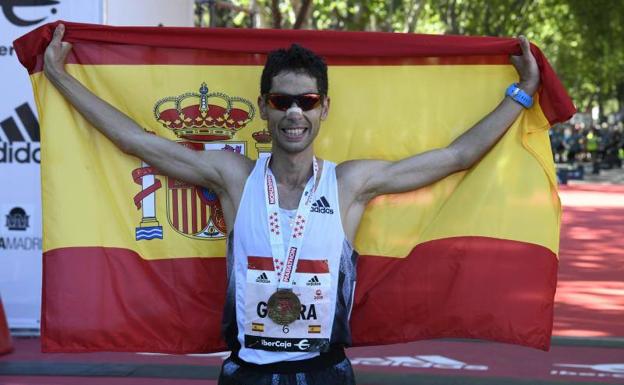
(204, 116)
(263, 136)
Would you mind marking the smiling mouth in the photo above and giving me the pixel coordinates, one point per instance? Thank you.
(294, 133)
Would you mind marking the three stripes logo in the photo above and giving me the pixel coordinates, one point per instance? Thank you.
(263, 278)
(17, 146)
(321, 206)
(314, 281)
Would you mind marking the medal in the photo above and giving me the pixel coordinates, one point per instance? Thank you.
(284, 307)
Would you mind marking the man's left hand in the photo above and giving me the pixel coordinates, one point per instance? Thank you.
(527, 67)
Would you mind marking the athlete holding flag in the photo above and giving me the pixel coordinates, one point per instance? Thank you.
(291, 216)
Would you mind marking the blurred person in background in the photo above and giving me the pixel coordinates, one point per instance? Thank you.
(592, 147)
(573, 144)
(556, 142)
(612, 143)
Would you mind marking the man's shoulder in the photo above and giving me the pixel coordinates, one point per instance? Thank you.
(351, 174)
(355, 168)
(234, 168)
(347, 168)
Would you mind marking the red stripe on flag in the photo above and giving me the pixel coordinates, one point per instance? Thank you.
(99, 298)
(6, 344)
(194, 210)
(443, 288)
(244, 46)
(174, 206)
(465, 287)
(184, 195)
(107, 54)
(204, 215)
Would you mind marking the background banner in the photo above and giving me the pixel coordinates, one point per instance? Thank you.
(20, 188)
(133, 260)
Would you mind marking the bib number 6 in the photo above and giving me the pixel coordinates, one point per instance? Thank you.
(285, 329)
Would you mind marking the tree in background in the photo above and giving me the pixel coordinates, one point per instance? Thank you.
(583, 39)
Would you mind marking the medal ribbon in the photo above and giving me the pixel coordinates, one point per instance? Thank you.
(290, 258)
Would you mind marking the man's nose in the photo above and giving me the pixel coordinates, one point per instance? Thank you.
(294, 111)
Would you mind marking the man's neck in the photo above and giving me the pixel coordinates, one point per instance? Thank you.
(292, 170)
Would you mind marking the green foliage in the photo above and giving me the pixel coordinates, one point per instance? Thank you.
(583, 39)
(598, 56)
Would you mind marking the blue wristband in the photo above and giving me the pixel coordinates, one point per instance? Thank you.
(517, 94)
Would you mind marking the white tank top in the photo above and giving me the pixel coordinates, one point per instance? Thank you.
(324, 278)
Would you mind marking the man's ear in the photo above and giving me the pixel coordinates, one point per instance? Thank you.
(262, 107)
(325, 108)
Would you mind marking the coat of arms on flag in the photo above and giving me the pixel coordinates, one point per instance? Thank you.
(203, 121)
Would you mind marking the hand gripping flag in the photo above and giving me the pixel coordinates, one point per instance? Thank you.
(133, 260)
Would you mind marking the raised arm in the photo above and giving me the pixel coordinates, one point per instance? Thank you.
(223, 171)
(361, 180)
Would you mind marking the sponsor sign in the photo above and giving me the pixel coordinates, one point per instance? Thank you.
(286, 344)
(20, 146)
(322, 206)
(17, 233)
(20, 231)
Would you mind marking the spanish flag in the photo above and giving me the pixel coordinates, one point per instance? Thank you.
(134, 260)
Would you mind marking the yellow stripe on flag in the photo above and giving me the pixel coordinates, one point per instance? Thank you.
(388, 112)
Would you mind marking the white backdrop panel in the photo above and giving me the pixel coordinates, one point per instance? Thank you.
(20, 190)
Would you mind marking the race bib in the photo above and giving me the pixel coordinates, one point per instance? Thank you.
(311, 331)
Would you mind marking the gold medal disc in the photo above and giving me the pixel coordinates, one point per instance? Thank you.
(284, 307)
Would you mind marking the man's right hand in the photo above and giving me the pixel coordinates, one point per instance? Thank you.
(56, 53)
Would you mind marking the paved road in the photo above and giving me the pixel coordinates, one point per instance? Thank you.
(439, 362)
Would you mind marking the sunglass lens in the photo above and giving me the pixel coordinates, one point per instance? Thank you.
(283, 102)
(280, 102)
(308, 101)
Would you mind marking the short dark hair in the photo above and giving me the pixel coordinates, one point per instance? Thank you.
(295, 59)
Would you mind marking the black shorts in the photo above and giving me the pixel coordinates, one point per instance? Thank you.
(235, 372)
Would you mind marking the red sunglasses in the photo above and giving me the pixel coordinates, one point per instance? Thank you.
(283, 102)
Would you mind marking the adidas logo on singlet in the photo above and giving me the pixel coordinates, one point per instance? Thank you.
(321, 206)
(262, 278)
(314, 281)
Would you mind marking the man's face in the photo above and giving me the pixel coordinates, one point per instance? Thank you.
(293, 130)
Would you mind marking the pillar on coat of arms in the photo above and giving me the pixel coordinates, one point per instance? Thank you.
(5, 337)
(263, 141)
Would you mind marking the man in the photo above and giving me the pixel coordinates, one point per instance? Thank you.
(292, 214)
